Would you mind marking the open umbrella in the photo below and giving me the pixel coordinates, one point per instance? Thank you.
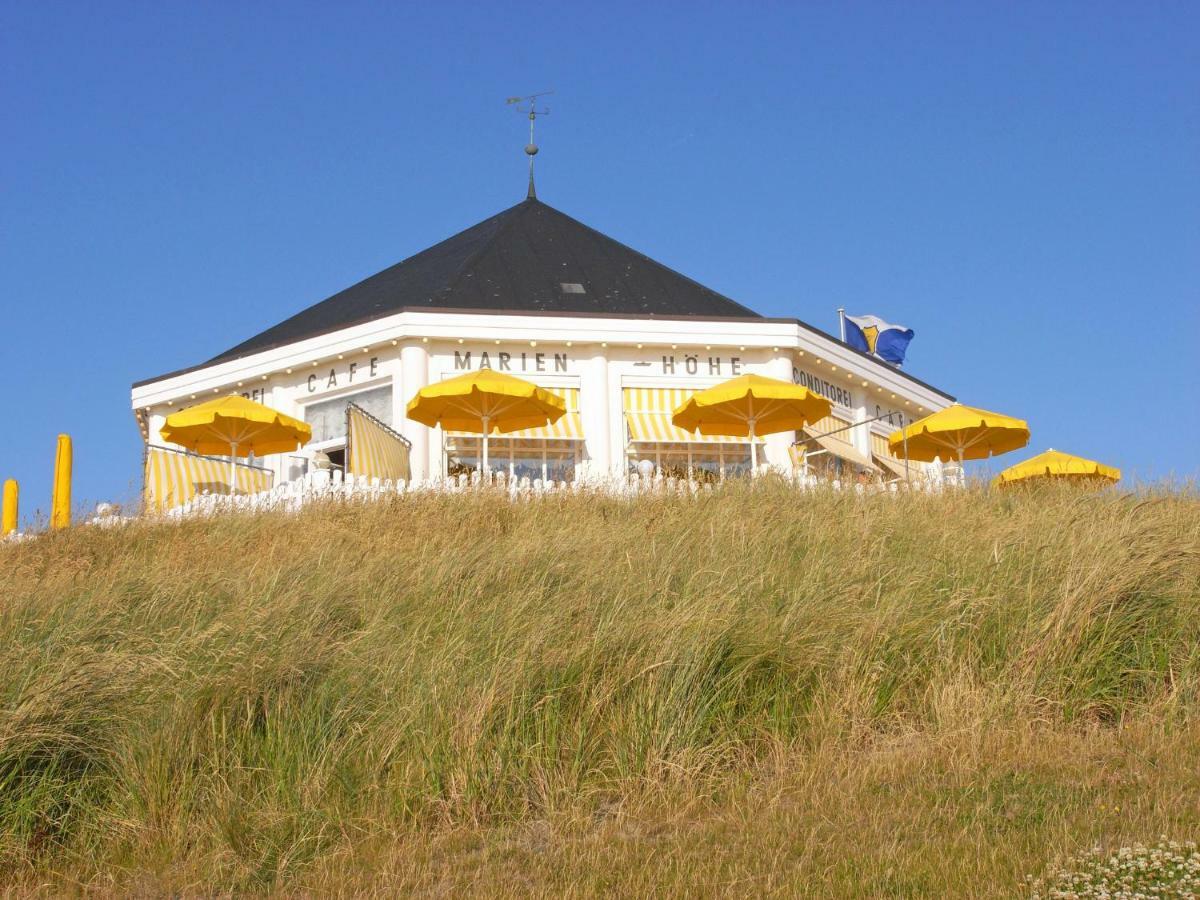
(1055, 464)
(236, 426)
(749, 406)
(963, 431)
(484, 401)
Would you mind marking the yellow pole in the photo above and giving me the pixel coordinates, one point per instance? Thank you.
(8, 520)
(60, 501)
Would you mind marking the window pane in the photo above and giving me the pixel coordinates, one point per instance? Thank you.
(737, 459)
(560, 467)
(706, 463)
(328, 418)
(463, 456)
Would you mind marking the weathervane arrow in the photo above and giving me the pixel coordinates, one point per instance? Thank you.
(529, 105)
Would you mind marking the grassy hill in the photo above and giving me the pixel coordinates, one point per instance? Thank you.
(752, 692)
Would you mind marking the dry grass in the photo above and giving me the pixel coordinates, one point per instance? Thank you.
(754, 692)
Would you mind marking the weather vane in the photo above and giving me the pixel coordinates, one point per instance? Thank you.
(529, 105)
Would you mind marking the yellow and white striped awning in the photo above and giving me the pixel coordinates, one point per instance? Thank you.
(836, 445)
(569, 427)
(648, 416)
(173, 477)
(896, 466)
(373, 449)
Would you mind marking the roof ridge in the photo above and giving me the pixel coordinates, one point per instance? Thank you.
(486, 245)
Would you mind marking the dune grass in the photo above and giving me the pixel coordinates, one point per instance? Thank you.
(747, 693)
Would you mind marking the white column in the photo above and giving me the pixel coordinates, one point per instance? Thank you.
(154, 424)
(414, 375)
(618, 433)
(594, 414)
(776, 446)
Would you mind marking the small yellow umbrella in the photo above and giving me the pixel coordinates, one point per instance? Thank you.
(236, 426)
(965, 431)
(1057, 465)
(748, 406)
(484, 401)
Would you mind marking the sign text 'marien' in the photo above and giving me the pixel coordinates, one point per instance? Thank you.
(510, 362)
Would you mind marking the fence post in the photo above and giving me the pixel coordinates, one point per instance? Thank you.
(8, 519)
(60, 501)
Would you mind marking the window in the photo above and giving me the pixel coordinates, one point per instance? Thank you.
(549, 460)
(698, 461)
(328, 417)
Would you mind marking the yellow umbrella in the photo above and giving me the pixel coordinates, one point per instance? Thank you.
(485, 401)
(966, 432)
(1056, 464)
(750, 405)
(236, 426)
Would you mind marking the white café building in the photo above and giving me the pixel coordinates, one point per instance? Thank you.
(531, 291)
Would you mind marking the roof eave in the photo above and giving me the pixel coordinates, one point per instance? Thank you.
(872, 361)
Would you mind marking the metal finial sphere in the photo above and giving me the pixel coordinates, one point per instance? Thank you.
(531, 149)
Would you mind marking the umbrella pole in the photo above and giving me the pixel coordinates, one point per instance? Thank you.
(962, 475)
(753, 451)
(486, 429)
(232, 467)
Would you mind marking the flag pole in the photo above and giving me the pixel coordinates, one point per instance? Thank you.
(842, 322)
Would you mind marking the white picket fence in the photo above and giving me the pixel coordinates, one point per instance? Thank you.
(323, 486)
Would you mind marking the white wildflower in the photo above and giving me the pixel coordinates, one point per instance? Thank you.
(1166, 869)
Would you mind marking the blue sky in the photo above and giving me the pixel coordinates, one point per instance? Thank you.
(1018, 182)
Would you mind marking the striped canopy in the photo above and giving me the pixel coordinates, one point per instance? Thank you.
(173, 477)
(373, 449)
(648, 415)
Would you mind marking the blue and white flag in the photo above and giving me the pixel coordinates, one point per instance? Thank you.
(883, 339)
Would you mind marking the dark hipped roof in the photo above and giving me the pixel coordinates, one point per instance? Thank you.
(530, 258)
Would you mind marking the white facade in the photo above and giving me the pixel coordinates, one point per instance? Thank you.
(600, 356)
